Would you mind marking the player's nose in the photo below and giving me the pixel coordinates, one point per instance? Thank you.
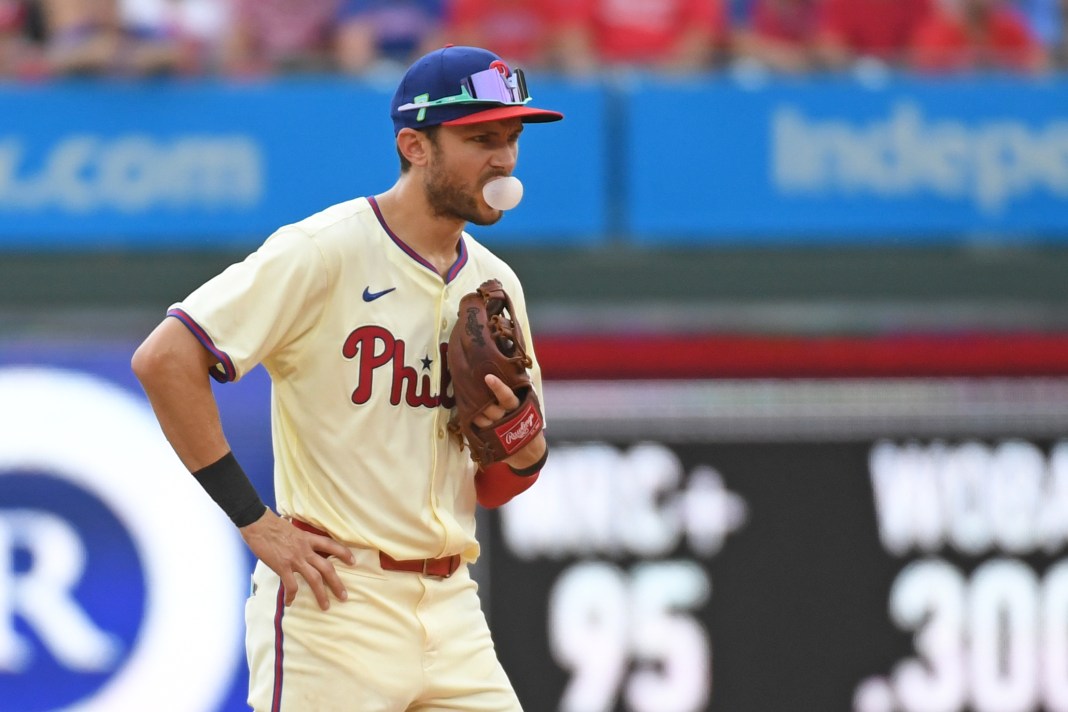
(505, 158)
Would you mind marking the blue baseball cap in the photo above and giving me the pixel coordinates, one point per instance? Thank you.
(454, 85)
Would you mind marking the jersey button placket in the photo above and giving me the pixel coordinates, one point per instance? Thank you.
(443, 336)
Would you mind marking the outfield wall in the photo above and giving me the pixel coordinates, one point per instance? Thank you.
(843, 544)
(706, 161)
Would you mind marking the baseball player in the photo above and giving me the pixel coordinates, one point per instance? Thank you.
(361, 598)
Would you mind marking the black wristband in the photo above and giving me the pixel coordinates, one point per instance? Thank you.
(232, 490)
(532, 469)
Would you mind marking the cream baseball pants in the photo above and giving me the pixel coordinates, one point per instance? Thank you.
(402, 642)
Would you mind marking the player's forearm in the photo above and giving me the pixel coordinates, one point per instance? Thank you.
(531, 454)
(497, 483)
(173, 371)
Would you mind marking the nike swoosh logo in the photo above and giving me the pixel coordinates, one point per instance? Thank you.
(369, 296)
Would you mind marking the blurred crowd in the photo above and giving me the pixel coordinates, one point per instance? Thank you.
(40, 39)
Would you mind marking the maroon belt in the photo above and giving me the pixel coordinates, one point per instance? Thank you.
(440, 568)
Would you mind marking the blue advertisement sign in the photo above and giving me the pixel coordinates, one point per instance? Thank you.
(205, 165)
(713, 160)
(831, 160)
(122, 586)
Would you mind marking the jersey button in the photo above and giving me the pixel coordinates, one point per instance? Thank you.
(441, 433)
(444, 324)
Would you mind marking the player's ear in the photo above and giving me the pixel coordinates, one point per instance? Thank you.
(414, 146)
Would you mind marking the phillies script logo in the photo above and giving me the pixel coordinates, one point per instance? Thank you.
(376, 347)
(518, 432)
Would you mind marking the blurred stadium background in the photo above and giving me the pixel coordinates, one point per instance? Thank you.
(805, 341)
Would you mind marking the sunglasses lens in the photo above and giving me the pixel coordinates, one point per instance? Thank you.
(491, 85)
(521, 85)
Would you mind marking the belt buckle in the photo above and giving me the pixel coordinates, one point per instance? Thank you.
(426, 573)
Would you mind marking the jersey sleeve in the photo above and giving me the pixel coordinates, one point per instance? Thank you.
(256, 308)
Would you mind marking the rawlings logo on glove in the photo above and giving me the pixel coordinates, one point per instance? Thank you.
(487, 339)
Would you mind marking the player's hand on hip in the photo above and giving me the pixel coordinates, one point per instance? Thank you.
(507, 401)
(289, 551)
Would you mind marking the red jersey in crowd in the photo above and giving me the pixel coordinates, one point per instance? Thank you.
(637, 31)
(998, 39)
(876, 28)
(517, 30)
(793, 21)
(282, 29)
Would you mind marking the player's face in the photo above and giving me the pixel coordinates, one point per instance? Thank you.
(462, 160)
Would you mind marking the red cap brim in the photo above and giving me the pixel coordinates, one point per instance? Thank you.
(498, 113)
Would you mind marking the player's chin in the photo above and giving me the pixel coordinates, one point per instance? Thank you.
(489, 216)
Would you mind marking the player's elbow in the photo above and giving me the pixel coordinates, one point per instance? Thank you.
(165, 355)
(147, 362)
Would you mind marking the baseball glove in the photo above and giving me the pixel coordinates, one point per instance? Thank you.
(487, 339)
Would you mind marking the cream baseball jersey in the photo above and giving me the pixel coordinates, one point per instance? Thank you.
(352, 326)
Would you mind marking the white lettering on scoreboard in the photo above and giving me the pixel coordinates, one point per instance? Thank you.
(627, 634)
(994, 639)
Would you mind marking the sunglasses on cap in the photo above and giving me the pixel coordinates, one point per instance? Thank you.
(496, 85)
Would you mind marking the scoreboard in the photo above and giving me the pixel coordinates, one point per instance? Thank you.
(861, 559)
